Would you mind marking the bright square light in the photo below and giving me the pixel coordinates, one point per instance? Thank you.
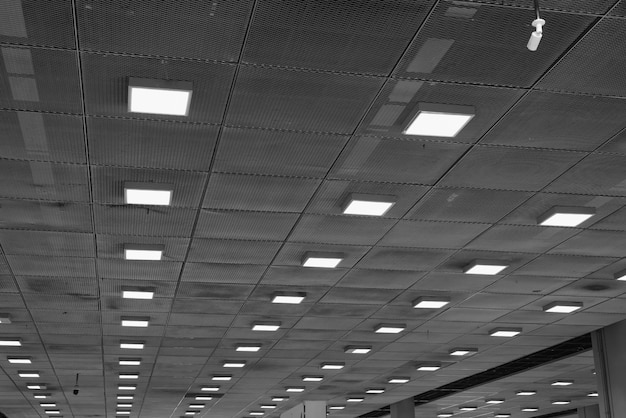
(322, 260)
(488, 268)
(368, 205)
(530, 409)
(135, 322)
(463, 351)
(159, 97)
(468, 408)
(210, 389)
(566, 216)
(125, 397)
(562, 307)
(132, 345)
(561, 402)
(221, 377)
(398, 380)
(312, 378)
(128, 376)
(430, 302)
(355, 399)
(333, 366)
(253, 348)
(35, 387)
(266, 326)
(440, 120)
(19, 360)
(279, 398)
(526, 393)
(355, 349)
(268, 406)
(138, 294)
(124, 405)
(196, 406)
(126, 387)
(294, 389)
(143, 252)
(390, 328)
(48, 405)
(150, 194)
(289, 298)
(428, 367)
(563, 383)
(234, 364)
(28, 374)
(336, 407)
(375, 391)
(494, 401)
(130, 362)
(11, 343)
(505, 332)
(203, 398)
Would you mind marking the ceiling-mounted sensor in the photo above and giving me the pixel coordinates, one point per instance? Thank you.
(538, 23)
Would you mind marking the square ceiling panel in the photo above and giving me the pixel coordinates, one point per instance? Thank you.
(564, 265)
(35, 23)
(62, 244)
(212, 30)
(597, 174)
(404, 258)
(123, 220)
(432, 234)
(42, 215)
(595, 243)
(340, 229)
(233, 251)
(521, 238)
(347, 35)
(244, 225)
(467, 42)
(300, 100)
(578, 6)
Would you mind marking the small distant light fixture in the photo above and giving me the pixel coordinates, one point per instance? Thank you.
(127, 387)
(294, 389)
(191, 412)
(134, 321)
(48, 405)
(468, 408)
(390, 328)
(368, 205)
(143, 252)
(562, 402)
(125, 397)
(41, 396)
(357, 349)
(494, 401)
(428, 366)
(267, 406)
(5, 318)
(196, 406)
(398, 380)
(150, 194)
(129, 376)
(563, 383)
(234, 363)
(253, 348)
(463, 351)
(355, 399)
(332, 366)
(124, 405)
(502, 416)
(375, 391)
(210, 388)
(505, 332)
(322, 259)
(593, 394)
(52, 411)
(530, 409)
(312, 378)
(485, 267)
(430, 302)
(256, 413)
(562, 307)
(444, 415)
(132, 345)
(266, 326)
(293, 298)
(35, 386)
(336, 407)
(129, 362)
(221, 377)
(526, 393)
(279, 398)
(566, 216)
(29, 373)
(122, 412)
(13, 342)
(138, 293)
(620, 275)
(19, 360)
(203, 398)
(440, 120)
(159, 97)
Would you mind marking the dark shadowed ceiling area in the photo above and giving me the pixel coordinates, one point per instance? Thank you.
(296, 105)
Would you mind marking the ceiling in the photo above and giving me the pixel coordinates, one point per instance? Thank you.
(296, 105)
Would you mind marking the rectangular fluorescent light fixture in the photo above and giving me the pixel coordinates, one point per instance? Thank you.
(138, 294)
(567, 216)
(428, 367)
(293, 298)
(221, 377)
(439, 120)
(322, 259)
(430, 302)
(505, 332)
(265, 326)
(19, 360)
(563, 383)
(210, 389)
(593, 394)
(234, 363)
(128, 376)
(332, 366)
(196, 406)
(41, 396)
(151, 194)
(562, 307)
(190, 413)
(143, 252)
(28, 374)
(126, 387)
(16, 342)
(530, 409)
(125, 397)
(357, 349)
(122, 412)
(34, 386)
(390, 328)
(526, 393)
(52, 411)
(203, 398)
(279, 398)
(132, 345)
(5, 318)
(444, 415)
(130, 362)
(502, 416)
(336, 407)
(131, 321)
(375, 391)
(268, 406)
(256, 413)
(48, 405)
(398, 380)
(485, 267)
(159, 97)
(494, 401)
(124, 405)
(253, 348)
(312, 378)
(294, 389)
(468, 408)
(463, 351)
(561, 402)
(368, 205)
(355, 399)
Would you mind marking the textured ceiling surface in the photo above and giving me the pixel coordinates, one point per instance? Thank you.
(296, 105)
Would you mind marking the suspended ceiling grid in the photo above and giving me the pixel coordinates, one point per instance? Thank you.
(295, 105)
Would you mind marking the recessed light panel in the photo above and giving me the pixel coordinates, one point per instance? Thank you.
(357, 349)
(221, 377)
(502, 416)
(203, 398)
(294, 389)
(312, 378)
(34, 386)
(322, 260)
(375, 391)
(159, 97)
(132, 345)
(48, 405)
(430, 302)
(5, 318)
(234, 363)
(468, 408)
(19, 360)
(527, 409)
(293, 298)
(143, 252)
(336, 407)
(14, 342)
(566, 216)
(122, 412)
(131, 376)
(267, 406)
(463, 351)
(253, 348)
(332, 366)
(444, 415)
(150, 194)
(368, 205)
(126, 387)
(562, 307)
(354, 399)
(210, 389)
(398, 380)
(190, 412)
(130, 362)
(125, 397)
(266, 326)
(390, 328)
(428, 367)
(440, 120)
(563, 383)
(41, 396)
(526, 393)
(505, 332)
(132, 321)
(196, 406)
(279, 398)
(485, 267)
(52, 411)
(146, 294)
(561, 402)
(593, 394)
(258, 413)
(494, 401)
(30, 373)
(620, 275)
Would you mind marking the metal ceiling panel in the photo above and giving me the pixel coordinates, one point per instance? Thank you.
(428, 234)
(233, 251)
